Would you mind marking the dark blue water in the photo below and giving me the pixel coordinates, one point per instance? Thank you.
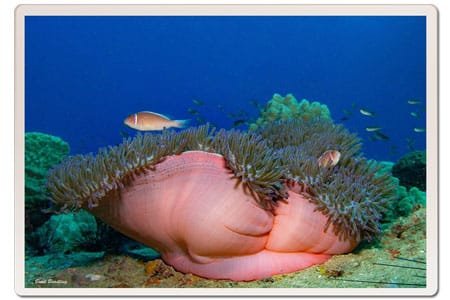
(84, 75)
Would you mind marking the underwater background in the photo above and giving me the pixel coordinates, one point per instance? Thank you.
(85, 75)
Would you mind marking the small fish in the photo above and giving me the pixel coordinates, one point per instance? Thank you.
(150, 121)
(413, 102)
(381, 136)
(419, 129)
(347, 112)
(200, 120)
(193, 111)
(347, 115)
(198, 102)
(410, 144)
(366, 112)
(372, 129)
(220, 107)
(242, 113)
(255, 103)
(414, 114)
(239, 122)
(329, 158)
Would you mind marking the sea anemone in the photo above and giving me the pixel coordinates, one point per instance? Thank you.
(83, 180)
(351, 194)
(312, 137)
(218, 204)
(254, 163)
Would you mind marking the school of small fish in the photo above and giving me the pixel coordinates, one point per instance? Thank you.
(152, 121)
(376, 133)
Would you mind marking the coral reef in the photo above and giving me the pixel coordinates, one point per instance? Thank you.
(66, 233)
(286, 108)
(42, 151)
(411, 170)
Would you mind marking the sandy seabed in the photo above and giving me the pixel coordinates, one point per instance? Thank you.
(397, 260)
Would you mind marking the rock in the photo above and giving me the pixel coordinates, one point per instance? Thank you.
(94, 277)
(138, 250)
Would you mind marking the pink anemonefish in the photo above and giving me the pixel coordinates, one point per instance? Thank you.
(329, 158)
(150, 121)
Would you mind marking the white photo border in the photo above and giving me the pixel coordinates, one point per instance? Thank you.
(429, 11)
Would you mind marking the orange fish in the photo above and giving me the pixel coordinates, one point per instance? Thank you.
(149, 121)
(329, 158)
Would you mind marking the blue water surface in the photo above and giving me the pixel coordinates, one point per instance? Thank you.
(84, 75)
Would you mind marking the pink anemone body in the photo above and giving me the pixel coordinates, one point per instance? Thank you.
(203, 221)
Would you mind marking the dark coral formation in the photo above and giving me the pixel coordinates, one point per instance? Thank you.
(351, 194)
(411, 170)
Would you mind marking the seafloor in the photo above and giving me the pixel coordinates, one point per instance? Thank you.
(397, 260)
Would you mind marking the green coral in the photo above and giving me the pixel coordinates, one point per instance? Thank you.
(65, 233)
(385, 167)
(42, 151)
(286, 108)
(406, 199)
